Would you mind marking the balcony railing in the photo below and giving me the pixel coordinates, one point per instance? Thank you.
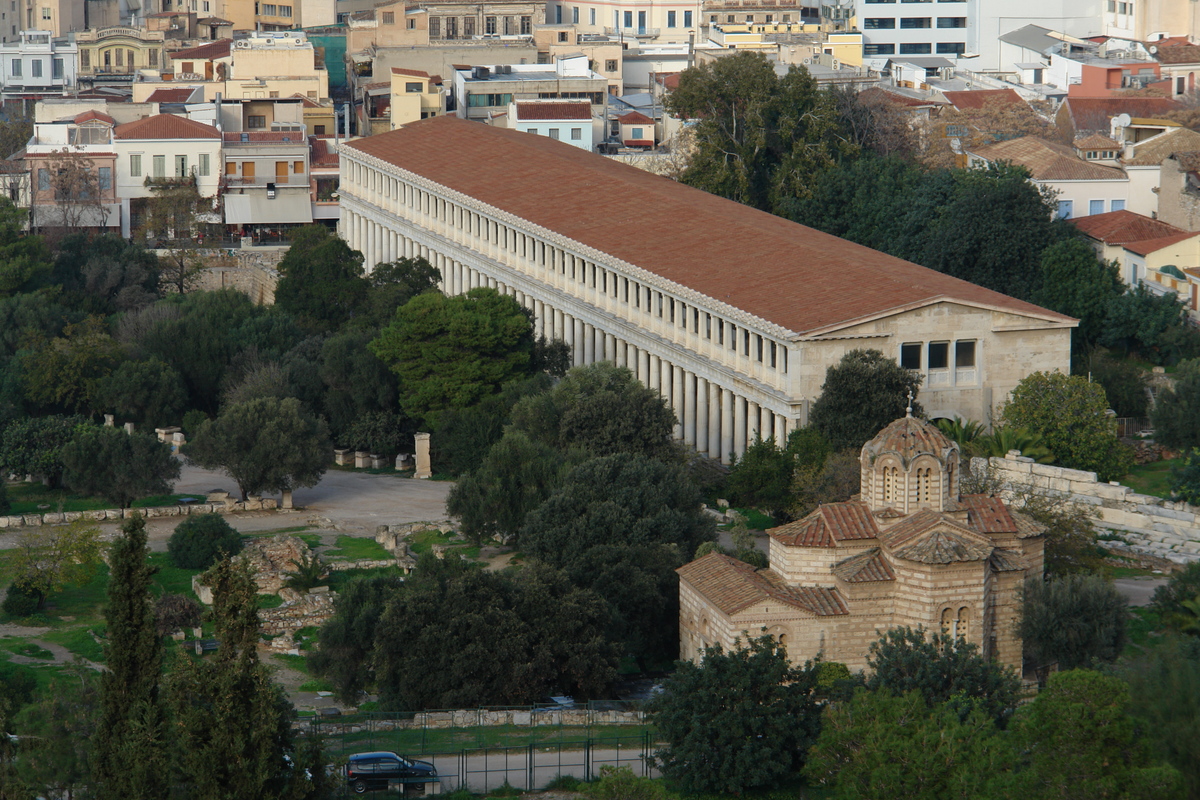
(648, 33)
(263, 180)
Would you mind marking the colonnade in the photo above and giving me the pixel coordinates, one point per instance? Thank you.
(712, 416)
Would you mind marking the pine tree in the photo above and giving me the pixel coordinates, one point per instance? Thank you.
(131, 741)
(234, 723)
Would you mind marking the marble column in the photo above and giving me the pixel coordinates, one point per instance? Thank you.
(714, 420)
(739, 426)
(689, 408)
(610, 349)
(701, 415)
(589, 344)
(577, 342)
(781, 432)
(727, 419)
(677, 399)
(753, 428)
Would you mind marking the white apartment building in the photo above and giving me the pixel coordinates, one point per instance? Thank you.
(734, 315)
(962, 29)
(36, 62)
(661, 20)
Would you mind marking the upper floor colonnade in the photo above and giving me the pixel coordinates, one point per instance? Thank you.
(726, 380)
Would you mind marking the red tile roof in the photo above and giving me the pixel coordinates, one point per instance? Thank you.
(1096, 141)
(733, 586)
(796, 277)
(829, 524)
(321, 154)
(1047, 161)
(987, 514)
(977, 99)
(879, 93)
(1093, 114)
(868, 566)
(205, 52)
(1122, 227)
(634, 118)
(166, 126)
(88, 116)
(928, 537)
(1147, 246)
(1179, 54)
(579, 110)
(669, 81)
(170, 95)
(415, 73)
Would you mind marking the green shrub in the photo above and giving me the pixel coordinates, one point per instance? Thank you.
(198, 541)
(22, 600)
(175, 612)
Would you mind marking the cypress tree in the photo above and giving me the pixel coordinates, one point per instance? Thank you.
(131, 749)
(234, 723)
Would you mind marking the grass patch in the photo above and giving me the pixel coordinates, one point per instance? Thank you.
(424, 541)
(337, 580)
(269, 601)
(316, 685)
(357, 548)
(29, 650)
(311, 540)
(171, 578)
(167, 500)
(1153, 479)
(80, 641)
(27, 498)
(1143, 625)
(298, 663)
(84, 602)
(755, 519)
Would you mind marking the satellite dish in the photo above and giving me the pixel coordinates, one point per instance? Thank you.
(1153, 49)
(1123, 120)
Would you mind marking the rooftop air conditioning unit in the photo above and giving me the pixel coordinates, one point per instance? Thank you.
(241, 44)
(297, 41)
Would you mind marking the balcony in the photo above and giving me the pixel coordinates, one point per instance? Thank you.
(639, 33)
(235, 181)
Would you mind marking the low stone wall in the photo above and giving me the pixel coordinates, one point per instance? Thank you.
(250, 271)
(63, 517)
(362, 563)
(1148, 524)
(472, 718)
(308, 610)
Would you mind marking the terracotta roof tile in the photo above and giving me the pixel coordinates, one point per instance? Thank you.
(1096, 141)
(928, 537)
(1027, 526)
(1153, 151)
(1147, 246)
(1094, 114)
(829, 524)
(166, 126)
(910, 437)
(868, 566)
(413, 73)
(1047, 161)
(88, 116)
(788, 274)
(1008, 561)
(1120, 227)
(634, 118)
(170, 95)
(321, 154)
(1179, 54)
(987, 514)
(205, 52)
(976, 99)
(287, 137)
(732, 585)
(879, 93)
(581, 110)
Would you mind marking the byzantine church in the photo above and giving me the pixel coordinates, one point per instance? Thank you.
(910, 551)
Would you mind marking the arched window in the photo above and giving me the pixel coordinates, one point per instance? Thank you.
(964, 620)
(947, 622)
(924, 485)
(783, 643)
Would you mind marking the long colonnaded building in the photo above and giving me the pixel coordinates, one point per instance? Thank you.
(733, 314)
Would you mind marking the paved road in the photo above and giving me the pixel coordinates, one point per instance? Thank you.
(1138, 591)
(355, 502)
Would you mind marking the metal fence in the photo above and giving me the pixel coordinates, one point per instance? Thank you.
(1128, 427)
(482, 749)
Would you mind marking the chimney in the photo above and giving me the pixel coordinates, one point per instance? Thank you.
(217, 109)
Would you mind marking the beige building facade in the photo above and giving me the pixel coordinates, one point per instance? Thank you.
(732, 314)
(910, 552)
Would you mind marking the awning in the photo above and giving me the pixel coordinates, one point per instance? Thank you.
(256, 209)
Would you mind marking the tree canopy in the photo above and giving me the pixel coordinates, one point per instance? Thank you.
(451, 352)
(736, 721)
(265, 445)
(1068, 412)
(1176, 413)
(118, 466)
(862, 394)
(1073, 621)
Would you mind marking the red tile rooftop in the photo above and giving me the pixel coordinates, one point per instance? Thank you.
(801, 279)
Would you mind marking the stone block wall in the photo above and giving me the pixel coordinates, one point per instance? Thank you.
(251, 272)
(63, 517)
(1149, 525)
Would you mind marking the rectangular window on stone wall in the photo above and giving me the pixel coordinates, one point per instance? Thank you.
(910, 355)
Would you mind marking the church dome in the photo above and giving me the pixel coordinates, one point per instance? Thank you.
(909, 437)
(910, 465)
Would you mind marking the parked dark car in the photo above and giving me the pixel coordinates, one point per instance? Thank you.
(375, 770)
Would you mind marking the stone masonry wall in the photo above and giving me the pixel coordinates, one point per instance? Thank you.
(60, 518)
(251, 272)
(1150, 525)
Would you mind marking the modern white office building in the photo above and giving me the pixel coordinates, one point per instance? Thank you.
(733, 314)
